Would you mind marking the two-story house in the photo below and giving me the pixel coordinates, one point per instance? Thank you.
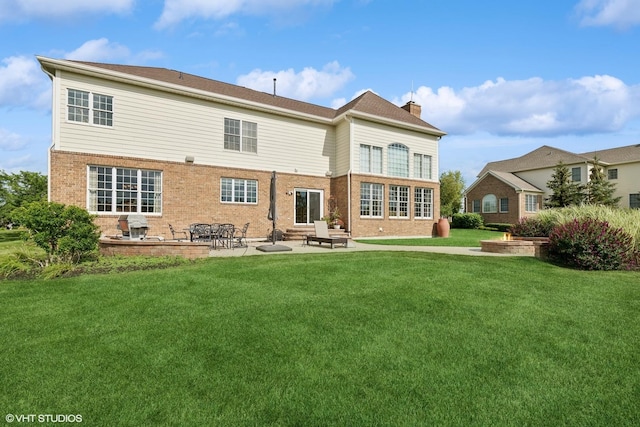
(508, 190)
(182, 149)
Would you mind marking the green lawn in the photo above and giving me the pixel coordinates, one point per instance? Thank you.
(457, 237)
(360, 338)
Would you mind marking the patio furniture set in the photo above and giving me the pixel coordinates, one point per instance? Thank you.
(226, 236)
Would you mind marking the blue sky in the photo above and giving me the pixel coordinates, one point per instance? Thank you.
(501, 77)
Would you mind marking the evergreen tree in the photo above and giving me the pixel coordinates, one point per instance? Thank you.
(565, 192)
(599, 190)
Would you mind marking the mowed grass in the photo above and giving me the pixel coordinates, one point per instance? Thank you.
(361, 338)
(457, 237)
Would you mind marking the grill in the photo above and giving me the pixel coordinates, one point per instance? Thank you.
(133, 227)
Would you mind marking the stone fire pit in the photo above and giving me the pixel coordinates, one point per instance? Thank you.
(533, 246)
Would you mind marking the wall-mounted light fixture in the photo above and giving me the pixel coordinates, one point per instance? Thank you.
(328, 173)
(189, 159)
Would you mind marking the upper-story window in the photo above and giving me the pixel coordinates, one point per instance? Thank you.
(240, 135)
(576, 174)
(398, 160)
(612, 174)
(82, 105)
(421, 166)
(370, 159)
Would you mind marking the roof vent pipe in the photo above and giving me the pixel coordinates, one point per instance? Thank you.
(274, 86)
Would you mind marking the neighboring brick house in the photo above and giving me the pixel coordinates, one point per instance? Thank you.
(180, 149)
(508, 190)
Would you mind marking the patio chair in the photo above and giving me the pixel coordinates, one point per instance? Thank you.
(174, 232)
(240, 237)
(322, 235)
(224, 236)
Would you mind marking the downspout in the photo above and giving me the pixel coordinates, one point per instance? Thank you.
(54, 117)
(350, 120)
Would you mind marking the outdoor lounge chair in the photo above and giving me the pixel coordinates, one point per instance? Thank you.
(322, 235)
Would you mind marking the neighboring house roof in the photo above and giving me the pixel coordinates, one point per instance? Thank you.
(543, 157)
(627, 154)
(369, 104)
(510, 179)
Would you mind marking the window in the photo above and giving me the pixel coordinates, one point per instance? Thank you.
(423, 202)
(576, 174)
(476, 206)
(370, 159)
(531, 203)
(233, 190)
(421, 166)
(504, 204)
(398, 201)
(634, 201)
(79, 110)
(398, 161)
(114, 190)
(489, 204)
(612, 174)
(240, 136)
(371, 200)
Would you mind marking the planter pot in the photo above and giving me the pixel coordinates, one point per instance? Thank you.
(336, 226)
(443, 227)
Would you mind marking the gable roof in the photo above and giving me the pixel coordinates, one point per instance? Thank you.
(626, 154)
(368, 104)
(540, 158)
(510, 179)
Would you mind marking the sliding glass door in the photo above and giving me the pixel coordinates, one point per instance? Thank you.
(308, 206)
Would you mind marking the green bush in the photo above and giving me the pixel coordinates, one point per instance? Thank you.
(65, 232)
(466, 220)
(532, 227)
(591, 245)
(498, 226)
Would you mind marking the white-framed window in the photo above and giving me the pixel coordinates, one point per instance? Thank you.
(422, 166)
(81, 105)
(398, 201)
(234, 190)
(371, 200)
(476, 206)
(240, 135)
(113, 190)
(531, 203)
(423, 203)
(370, 159)
(489, 204)
(504, 204)
(612, 173)
(398, 160)
(576, 174)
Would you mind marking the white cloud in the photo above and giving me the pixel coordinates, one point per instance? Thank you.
(103, 50)
(176, 11)
(20, 10)
(617, 13)
(304, 85)
(10, 141)
(22, 83)
(532, 107)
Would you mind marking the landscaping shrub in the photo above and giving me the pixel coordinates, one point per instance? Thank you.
(532, 227)
(591, 244)
(466, 220)
(498, 226)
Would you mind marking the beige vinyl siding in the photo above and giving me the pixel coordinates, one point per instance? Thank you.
(628, 181)
(379, 135)
(163, 126)
(343, 149)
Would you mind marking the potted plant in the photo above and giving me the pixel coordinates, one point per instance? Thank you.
(333, 218)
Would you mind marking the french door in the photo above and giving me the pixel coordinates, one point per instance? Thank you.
(308, 206)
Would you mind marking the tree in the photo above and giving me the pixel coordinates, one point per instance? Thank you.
(451, 189)
(565, 191)
(599, 190)
(20, 189)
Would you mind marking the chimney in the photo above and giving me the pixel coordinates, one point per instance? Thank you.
(412, 108)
